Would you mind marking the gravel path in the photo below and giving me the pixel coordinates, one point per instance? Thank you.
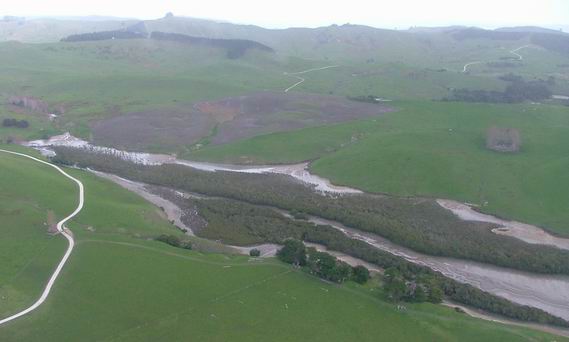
(62, 229)
(302, 79)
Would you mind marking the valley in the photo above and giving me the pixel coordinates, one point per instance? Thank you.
(154, 171)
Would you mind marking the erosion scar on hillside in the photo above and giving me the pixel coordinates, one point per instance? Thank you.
(229, 119)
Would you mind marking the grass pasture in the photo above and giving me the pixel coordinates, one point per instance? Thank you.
(135, 289)
(94, 81)
(24, 239)
(436, 149)
(149, 292)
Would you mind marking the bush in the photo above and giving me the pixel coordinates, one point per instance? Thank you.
(327, 266)
(174, 241)
(360, 274)
(299, 215)
(255, 252)
(15, 123)
(293, 252)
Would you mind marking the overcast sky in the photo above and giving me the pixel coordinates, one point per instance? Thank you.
(312, 13)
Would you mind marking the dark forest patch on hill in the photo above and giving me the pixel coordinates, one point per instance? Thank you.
(236, 48)
(104, 35)
(136, 31)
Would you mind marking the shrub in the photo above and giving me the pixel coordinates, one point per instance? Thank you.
(15, 123)
(174, 241)
(327, 266)
(255, 252)
(360, 274)
(293, 252)
(299, 215)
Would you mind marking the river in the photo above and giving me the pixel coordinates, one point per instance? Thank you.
(547, 292)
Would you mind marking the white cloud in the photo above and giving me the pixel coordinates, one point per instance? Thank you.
(281, 13)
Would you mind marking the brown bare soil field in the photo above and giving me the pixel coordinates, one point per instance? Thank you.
(150, 129)
(268, 112)
(228, 119)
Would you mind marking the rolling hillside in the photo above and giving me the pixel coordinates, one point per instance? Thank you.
(186, 294)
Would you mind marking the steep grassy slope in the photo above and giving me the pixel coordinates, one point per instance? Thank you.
(144, 290)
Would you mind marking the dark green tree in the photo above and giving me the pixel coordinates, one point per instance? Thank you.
(293, 252)
(360, 274)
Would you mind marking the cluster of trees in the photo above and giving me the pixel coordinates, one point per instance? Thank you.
(321, 264)
(327, 266)
(424, 288)
(419, 224)
(437, 282)
(293, 252)
(432, 285)
(236, 48)
(136, 31)
(15, 123)
(517, 91)
(174, 241)
(104, 35)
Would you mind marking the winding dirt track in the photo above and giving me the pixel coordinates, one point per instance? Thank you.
(302, 79)
(513, 52)
(62, 229)
(465, 68)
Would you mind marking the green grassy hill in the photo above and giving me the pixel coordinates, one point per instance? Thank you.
(408, 152)
(435, 149)
(137, 289)
(47, 30)
(96, 80)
